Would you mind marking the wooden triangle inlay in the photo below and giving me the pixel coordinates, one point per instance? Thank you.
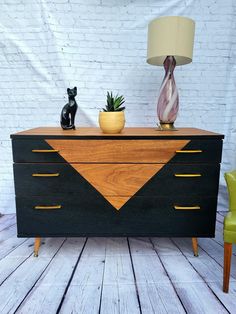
(116, 180)
(117, 168)
(117, 151)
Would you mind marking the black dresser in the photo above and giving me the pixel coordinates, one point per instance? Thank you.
(141, 182)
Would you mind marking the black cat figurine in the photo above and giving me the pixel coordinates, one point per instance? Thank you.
(69, 110)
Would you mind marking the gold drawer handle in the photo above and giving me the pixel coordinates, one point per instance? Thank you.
(45, 174)
(47, 207)
(192, 151)
(45, 151)
(186, 207)
(187, 175)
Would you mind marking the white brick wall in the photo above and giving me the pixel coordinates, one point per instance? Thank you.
(99, 45)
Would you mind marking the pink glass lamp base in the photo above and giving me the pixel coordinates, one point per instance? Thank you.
(168, 101)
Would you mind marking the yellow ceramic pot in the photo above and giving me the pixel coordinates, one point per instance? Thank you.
(112, 122)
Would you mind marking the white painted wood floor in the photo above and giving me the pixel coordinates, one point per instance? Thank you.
(113, 275)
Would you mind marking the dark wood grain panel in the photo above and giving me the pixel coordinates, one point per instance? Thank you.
(165, 183)
(70, 181)
(115, 151)
(23, 151)
(117, 201)
(142, 216)
(211, 151)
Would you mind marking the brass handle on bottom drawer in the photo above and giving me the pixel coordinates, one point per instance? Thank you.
(189, 151)
(47, 207)
(186, 207)
(45, 151)
(45, 174)
(187, 175)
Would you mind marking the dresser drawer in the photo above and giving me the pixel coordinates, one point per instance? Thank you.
(142, 216)
(117, 151)
(116, 179)
(199, 151)
(27, 150)
(184, 179)
(48, 178)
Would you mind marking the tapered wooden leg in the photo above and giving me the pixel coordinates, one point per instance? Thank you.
(227, 265)
(37, 242)
(195, 246)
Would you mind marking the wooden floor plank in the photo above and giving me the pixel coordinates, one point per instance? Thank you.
(48, 292)
(164, 246)
(180, 270)
(119, 298)
(95, 247)
(16, 287)
(228, 299)
(7, 221)
(154, 287)
(212, 273)
(10, 245)
(198, 298)
(12, 261)
(222, 213)
(9, 240)
(118, 267)
(220, 218)
(7, 233)
(83, 295)
(194, 293)
(141, 246)
(117, 247)
(119, 292)
(205, 265)
(159, 299)
(209, 247)
(216, 251)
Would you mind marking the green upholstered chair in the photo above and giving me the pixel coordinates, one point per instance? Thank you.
(229, 227)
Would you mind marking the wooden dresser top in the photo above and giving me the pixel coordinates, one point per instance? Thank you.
(129, 132)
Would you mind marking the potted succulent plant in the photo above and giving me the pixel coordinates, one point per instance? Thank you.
(112, 118)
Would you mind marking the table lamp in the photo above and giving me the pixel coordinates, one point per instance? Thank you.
(170, 43)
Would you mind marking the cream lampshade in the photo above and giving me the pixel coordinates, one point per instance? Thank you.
(170, 43)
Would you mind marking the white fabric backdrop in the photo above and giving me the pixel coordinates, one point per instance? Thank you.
(99, 45)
